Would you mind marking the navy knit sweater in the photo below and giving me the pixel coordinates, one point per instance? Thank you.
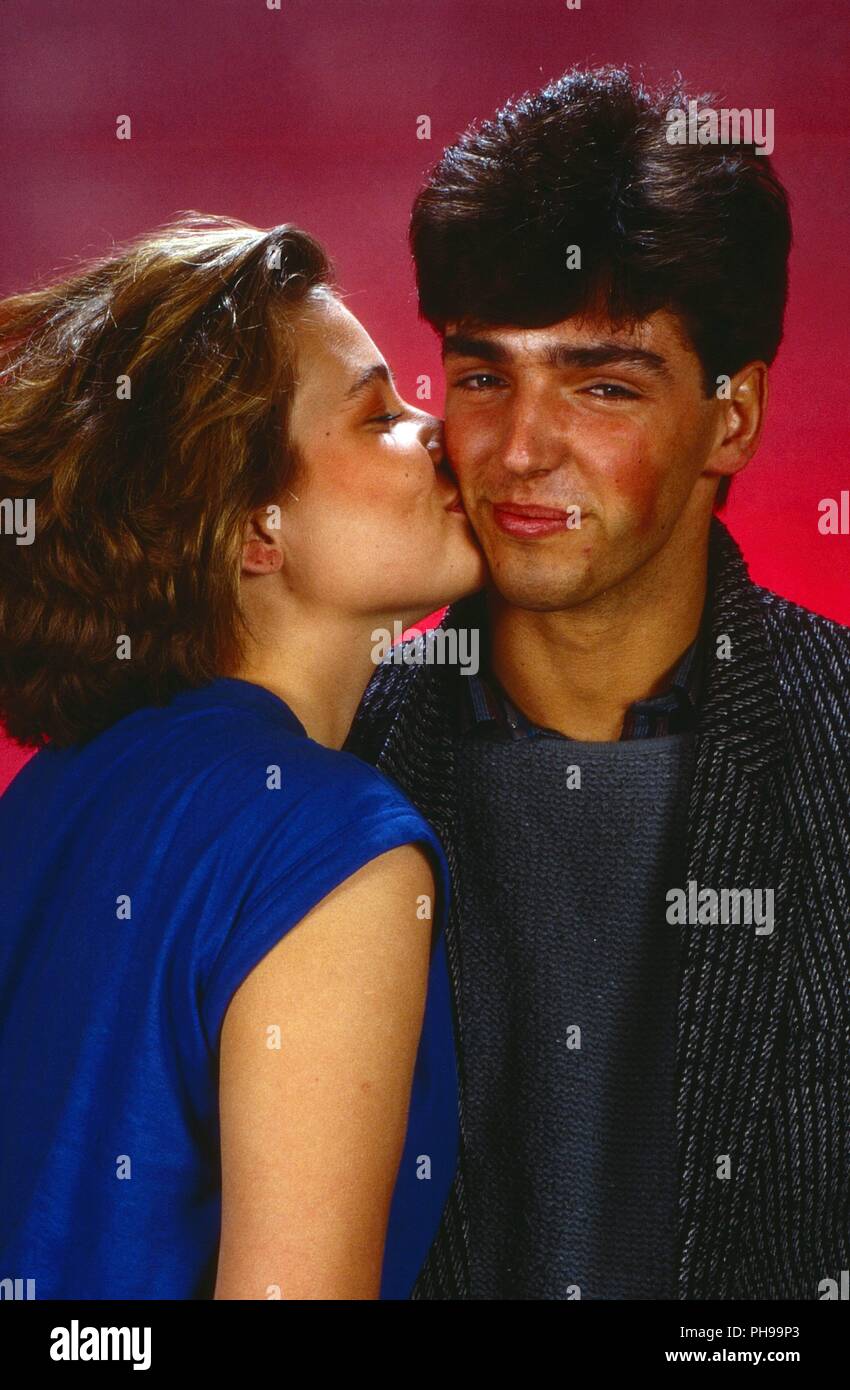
(570, 978)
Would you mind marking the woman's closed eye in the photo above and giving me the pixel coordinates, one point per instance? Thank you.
(385, 419)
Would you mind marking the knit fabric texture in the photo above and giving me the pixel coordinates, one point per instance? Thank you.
(570, 980)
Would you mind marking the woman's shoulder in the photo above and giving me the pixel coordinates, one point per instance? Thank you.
(346, 774)
(245, 745)
(225, 774)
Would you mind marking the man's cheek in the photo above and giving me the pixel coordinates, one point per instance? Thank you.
(465, 445)
(635, 491)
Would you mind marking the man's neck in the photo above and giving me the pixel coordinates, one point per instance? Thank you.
(577, 670)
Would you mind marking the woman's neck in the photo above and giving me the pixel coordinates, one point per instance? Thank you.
(319, 666)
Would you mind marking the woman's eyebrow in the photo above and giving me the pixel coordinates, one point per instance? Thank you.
(379, 371)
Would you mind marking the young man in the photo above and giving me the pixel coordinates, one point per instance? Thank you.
(644, 794)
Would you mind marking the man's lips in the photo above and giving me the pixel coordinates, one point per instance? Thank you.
(526, 509)
(516, 519)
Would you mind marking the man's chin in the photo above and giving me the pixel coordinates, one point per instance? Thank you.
(532, 581)
(544, 593)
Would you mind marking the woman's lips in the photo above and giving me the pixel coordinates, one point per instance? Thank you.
(515, 520)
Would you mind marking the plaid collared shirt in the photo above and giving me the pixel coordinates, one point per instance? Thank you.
(488, 710)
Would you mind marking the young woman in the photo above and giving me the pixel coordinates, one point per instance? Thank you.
(217, 927)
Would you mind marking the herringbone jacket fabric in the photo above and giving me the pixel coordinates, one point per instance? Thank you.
(763, 1030)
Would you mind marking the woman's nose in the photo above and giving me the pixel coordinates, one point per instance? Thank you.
(433, 439)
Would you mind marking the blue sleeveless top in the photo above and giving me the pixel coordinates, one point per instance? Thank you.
(144, 874)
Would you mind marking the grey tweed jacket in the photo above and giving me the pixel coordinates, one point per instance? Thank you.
(763, 1046)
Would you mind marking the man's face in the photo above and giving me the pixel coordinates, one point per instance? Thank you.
(613, 422)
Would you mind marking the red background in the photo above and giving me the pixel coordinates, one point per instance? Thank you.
(308, 114)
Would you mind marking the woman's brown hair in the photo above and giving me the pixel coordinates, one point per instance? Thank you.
(143, 413)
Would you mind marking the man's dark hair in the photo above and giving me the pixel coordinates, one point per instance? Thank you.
(701, 230)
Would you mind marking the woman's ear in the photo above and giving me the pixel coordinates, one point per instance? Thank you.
(262, 551)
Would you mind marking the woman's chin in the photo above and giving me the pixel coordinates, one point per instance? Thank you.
(466, 577)
(476, 565)
(461, 571)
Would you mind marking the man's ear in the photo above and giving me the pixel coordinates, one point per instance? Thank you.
(262, 549)
(741, 420)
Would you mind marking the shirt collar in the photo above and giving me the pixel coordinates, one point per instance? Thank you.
(488, 710)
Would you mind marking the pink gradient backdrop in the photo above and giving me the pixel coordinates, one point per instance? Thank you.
(308, 114)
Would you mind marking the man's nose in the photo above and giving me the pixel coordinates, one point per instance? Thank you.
(522, 447)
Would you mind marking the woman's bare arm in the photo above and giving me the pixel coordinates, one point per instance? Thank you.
(312, 1129)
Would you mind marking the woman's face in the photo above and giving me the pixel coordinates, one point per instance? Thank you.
(371, 522)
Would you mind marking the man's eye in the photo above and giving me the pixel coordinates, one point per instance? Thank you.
(612, 390)
(478, 381)
(383, 419)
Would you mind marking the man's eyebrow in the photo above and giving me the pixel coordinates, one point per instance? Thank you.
(456, 345)
(379, 372)
(560, 354)
(606, 355)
